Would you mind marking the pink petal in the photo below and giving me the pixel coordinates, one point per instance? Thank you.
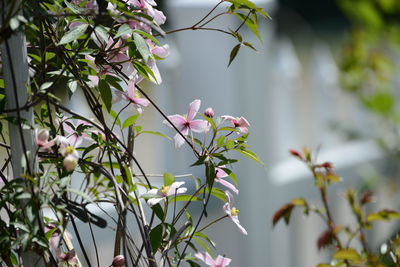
(243, 129)
(179, 141)
(131, 89)
(227, 209)
(153, 201)
(227, 184)
(198, 126)
(205, 257)
(141, 101)
(94, 79)
(241, 228)
(161, 51)
(153, 66)
(228, 118)
(222, 261)
(219, 172)
(229, 199)
(173, 187)
(177, 120)
(49, 143)
(193, 108)
(243, 122)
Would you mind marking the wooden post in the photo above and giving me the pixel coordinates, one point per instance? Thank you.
(16, 79)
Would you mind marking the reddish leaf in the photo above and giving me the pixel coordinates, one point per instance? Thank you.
(325, 239)
(284, 212)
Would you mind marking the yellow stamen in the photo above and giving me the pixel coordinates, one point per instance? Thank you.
(164, 190)
(69, 150)
(234, 211)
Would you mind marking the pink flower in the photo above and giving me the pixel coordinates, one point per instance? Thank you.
(209, 112)
(118, 261)
(220, 261)
(54, 238)
(232, 212)
(219, 174)
(240, 123)
(165, 191)
(69, 257)
(186, 122)
(130, 96)
(41, 139)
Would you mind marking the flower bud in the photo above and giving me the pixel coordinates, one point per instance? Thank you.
(43, 135)
(118, 261)
(209, 112)
(70, 162)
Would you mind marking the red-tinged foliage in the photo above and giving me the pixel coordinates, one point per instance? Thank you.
(296, 154)
(366, 198)
(284, 212)
(325, 239)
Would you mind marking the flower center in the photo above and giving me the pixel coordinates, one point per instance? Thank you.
(234, 211)
(69, 150)
(164, 190)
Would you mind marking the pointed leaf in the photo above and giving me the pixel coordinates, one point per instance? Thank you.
(234, 53)
(73, 34)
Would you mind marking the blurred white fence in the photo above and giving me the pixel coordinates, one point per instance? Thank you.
(289, 103)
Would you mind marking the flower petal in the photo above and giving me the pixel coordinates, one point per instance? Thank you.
(153, 201)
(173, 187)
(229, 199)
(243, 122)
(241, 228)
(179, 141)
(205, 257)
(177, 120)
(193, 108)
(219, 172)
(141, 101)
(222, 261)
(198, 126)
(227, 184)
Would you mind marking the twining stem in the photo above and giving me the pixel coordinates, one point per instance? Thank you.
(213, 222)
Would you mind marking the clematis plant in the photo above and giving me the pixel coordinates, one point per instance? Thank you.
(186, 123)
(220, 261)
(105, 49)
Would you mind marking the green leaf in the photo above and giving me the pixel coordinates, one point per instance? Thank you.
(250, 23)
(249, 5)
(102, 31)
(200, 234)
(13, 259)
(156, 237)
(123, 30)
(200, 161)
(50, 233)
(105, 93)
(210, 172)
(203, 245)
(45, 85)
(129, 121)
(185, 198)
(114, 82)
(73, 34)
(158, 211)
(216, 192)
(347, 254)
(234, 53)
(79, 193)
(168, 178)
(249, 154)
(144, 70)
(142, 47)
